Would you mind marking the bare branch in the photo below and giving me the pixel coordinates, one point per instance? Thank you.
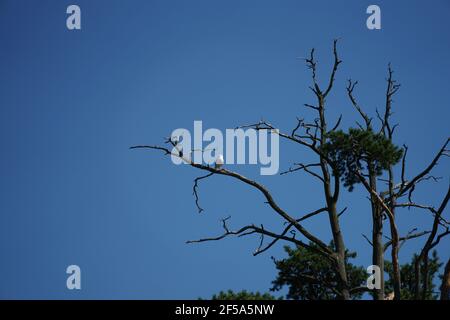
(335, 67)
(195, 190)
(306, 216)
(301, 166)
(342, 212)
(251, 229)
(381, 119)
(166, 151)
(350, 87)
(405, 148)
(312, 214)
(442, 220)
(439, 237)
(268, 196)
(392, 88)
(299, 123)
(409, 236)
(337, 124)
(367, 239)
(311, 106)
(312, 64)
(411, 184)
(263, 125)
(430, 243)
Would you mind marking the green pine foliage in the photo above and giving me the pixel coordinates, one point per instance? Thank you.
(357, 150)
(301, 265)
(298, 270)
(408, 278)
(243, 295)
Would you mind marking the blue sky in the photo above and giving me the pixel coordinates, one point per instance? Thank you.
(72, 102)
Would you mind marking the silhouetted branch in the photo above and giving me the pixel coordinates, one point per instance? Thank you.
(335, 67)
(429, 244)
(269, 199)
(411, 184)
(367, 239)
(195, 190)
(251, 229)
(350, 87)
(409, 236)
(301, 166)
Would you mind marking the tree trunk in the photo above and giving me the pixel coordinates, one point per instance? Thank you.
(417, 278)
(395, 247)
(425, 278)
(331, 200)
(445, 286)
(378, 252)
(395, 266)
(377, 236)
(340, 251)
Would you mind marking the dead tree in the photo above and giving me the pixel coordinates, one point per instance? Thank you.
(315, 136)
(310, 135)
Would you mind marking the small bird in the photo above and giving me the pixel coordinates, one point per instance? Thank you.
(219, 161)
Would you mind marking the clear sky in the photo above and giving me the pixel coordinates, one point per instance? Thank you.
(72, 102)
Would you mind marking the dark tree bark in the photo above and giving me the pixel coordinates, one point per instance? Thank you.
(377, 214)
(331, 197)
(388, 131)
(377, 235)
(445, 286)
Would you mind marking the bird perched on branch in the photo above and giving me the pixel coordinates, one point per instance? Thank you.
(219, 161)
(175, 140)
